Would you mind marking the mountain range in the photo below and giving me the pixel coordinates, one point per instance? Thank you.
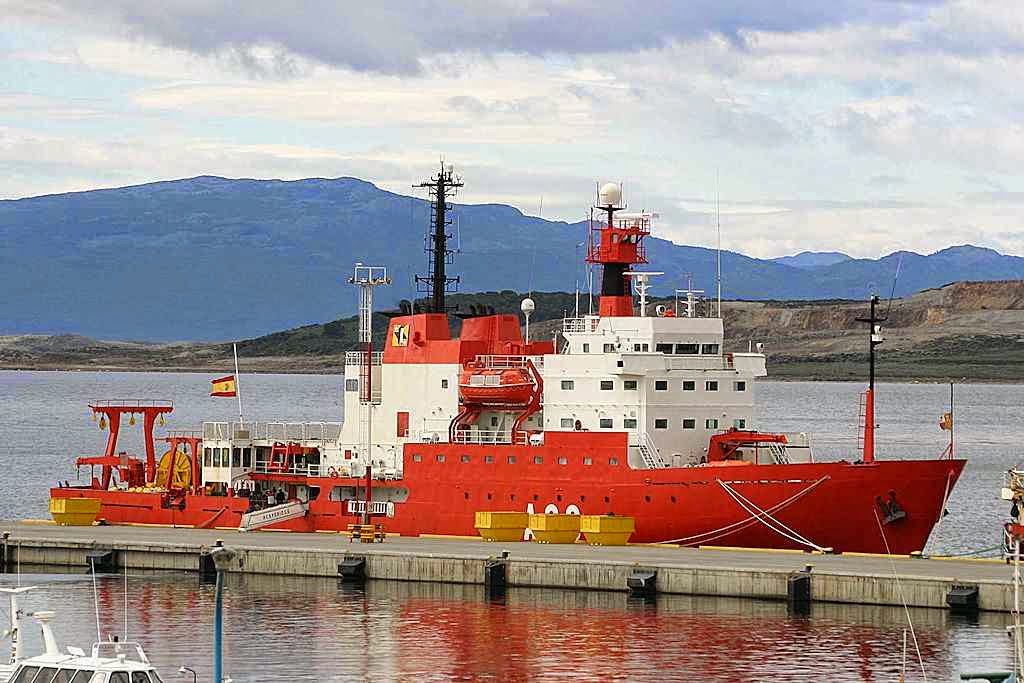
(211, 258)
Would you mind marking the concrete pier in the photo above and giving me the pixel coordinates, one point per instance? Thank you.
(851, 579)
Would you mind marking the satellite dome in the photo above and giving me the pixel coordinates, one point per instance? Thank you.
(527, 306)
(610, 194)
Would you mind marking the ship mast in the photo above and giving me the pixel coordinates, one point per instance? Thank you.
(441, 187)
(875, 332)
(366, 278)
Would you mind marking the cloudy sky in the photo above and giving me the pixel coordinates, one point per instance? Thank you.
(858, 125)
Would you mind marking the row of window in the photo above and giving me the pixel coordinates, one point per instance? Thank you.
(659, 423)
(227, 457)
(673, 349)
(512, 459)
(659, 385)
(51, 674)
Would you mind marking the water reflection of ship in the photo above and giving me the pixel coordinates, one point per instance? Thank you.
(405, 631)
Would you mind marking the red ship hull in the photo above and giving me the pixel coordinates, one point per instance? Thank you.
(838, 505)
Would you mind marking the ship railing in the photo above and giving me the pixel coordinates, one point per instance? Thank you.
(489, 436)
(508, 362)
(356, 357)
(301, 469)
(131, 403)
(587, 323)
(183, 433)
(272, 431)
(377, 507)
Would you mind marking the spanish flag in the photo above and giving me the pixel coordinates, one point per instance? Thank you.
(224, 386)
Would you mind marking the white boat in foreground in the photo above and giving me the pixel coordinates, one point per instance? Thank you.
(108, 662)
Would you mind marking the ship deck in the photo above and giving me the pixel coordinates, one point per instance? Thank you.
(848, 578)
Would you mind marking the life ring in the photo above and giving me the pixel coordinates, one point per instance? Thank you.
(332, 473)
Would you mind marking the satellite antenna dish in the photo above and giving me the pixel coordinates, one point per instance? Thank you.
(528, 307)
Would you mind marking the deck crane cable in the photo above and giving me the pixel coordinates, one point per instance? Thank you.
(899, 589)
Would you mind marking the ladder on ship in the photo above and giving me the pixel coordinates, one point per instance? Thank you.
(271, 515)
(779, 453)
(649, 453)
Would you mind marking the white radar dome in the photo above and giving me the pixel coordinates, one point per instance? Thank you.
(528, 306)
(610, 194)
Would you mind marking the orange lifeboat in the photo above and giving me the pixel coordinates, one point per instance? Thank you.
(496, 387)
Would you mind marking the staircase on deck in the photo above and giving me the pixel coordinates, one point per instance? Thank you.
(649, 453)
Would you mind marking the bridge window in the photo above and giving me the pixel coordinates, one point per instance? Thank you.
(352, 385)
(689, 385)
(586, 348)
(689, 423)
(83, 676)
(439, 457)
(236, 457)
(629, 423)
(711, 423)
(587, 460)
(216, 456)
(511, 460)
(417, 457)
(661, 423)
(568, 385)
(607, 385)
(609, 348)
(208, 457)
(465, 458)
(606, 423)
(739, 424)
(663, 348)
(739, 386)
(562, 460)
(612, 461)
(489, 459)
(629, 384)
(711, 385)
(661, 385)
(494, 420)
(687, 349)
(709, 349)
(246, 457)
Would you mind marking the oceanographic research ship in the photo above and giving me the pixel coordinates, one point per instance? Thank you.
(635, 411)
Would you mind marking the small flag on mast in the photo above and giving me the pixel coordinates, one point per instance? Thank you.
(224, 386)
(946, 422)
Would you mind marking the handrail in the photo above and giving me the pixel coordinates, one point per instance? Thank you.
(587, 323)
(131, 402)
(273, 431)
(356, 357)
(488, 436)
(508, 362)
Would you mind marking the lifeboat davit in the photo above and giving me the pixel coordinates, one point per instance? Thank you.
(496, 387)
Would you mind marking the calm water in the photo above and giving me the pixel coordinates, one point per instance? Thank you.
(440, 632)
(317, 630)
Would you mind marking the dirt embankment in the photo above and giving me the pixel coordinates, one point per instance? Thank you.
(966, 330)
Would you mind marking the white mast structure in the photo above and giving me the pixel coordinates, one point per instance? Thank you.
(366, 278)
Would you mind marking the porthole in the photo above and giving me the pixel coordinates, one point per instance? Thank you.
(536, 497)
(559, 497)
(673, 499)
(606, 499)
(466, 495)
(489, 496)
(647, 499)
